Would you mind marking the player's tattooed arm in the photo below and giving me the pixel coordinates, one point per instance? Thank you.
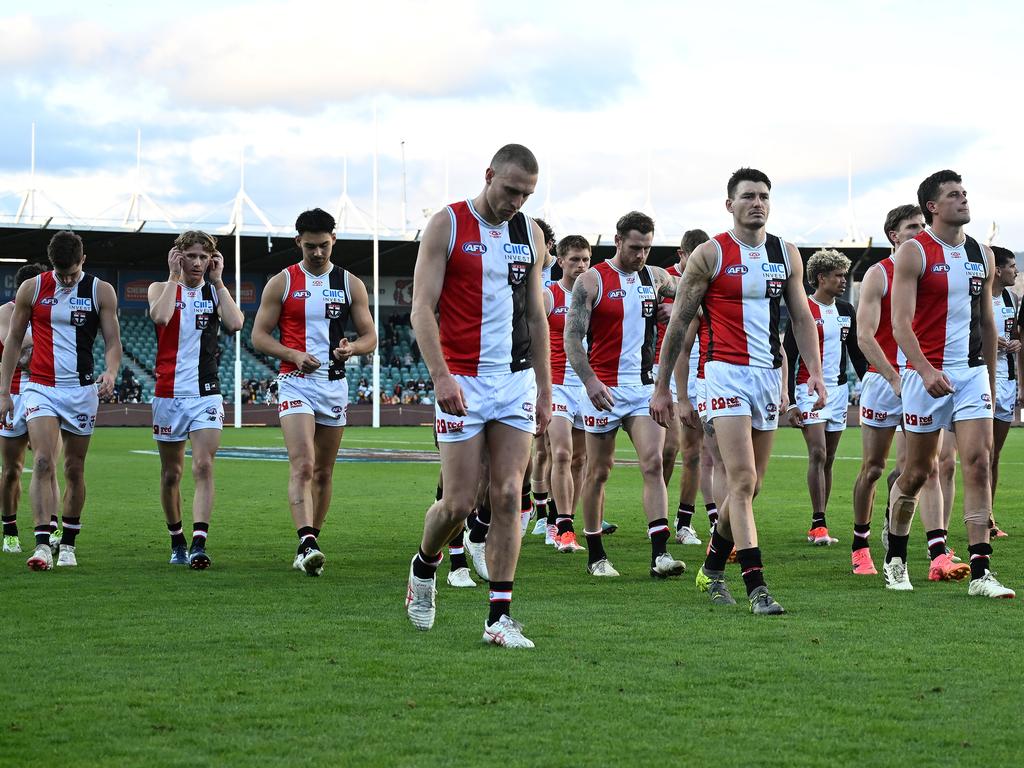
(577, 324)
(688, 294)
(667, 284)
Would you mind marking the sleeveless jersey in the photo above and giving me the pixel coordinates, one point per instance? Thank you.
(545, 274)
(561, 372)
(1004, 309)
(187, 350)
(883, 334)
(623, 326)
(483, 301)
(947, 320)
(836, 327)
(741, 306)
(20, 377)
(64, 326)
(314, 313)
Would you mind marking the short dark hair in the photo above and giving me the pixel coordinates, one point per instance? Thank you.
(28, 271)
(1003, 255)
(634, 220)
(746, 174)
(692, 238)
(928, 192)
(549, 233)
(315, 220)
(517, 155)
(65, 249)
(896, 215)
(572, 242)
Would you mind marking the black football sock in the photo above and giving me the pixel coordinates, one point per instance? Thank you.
(199, 533)
(424, 566)
(936, 543)
(980, 554)
(177, 535)
(72, 526)
(712, 510)
(500, 600)
(897, 547)
(657, 532)
(307, 539)
(751, 567)
(861, 532)
(718, 552)
(42, 534)
(595, 547)
(552, 511)
(456, 552)
(684, 516)
(10, 525)
(481, 524)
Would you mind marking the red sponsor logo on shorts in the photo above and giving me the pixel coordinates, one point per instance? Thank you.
(810, 415)
(872, 415)
(165, 430)
(156, 430)
(721, 403)
(449, 427)
(600, 421)
(31, 409)
(915, 420)
(559, 408)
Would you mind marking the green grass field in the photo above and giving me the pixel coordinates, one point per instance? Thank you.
(127, 661)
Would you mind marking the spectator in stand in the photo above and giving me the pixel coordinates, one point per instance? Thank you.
(421, 386)
(407, 360)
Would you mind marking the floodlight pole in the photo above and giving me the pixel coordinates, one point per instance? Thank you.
(403, 188)
(239, 216)
(376, 280)
(29, 198)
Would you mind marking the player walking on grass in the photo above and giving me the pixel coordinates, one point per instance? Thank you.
(565, 432)
(479, 269)
(681, 437)
(836, 327)
(310, 303)
(1008, 393)
(66, 308)
(187, 311)
(881, 408)
(739, 277)
(15, 433)
(614, 306)
(943, 324)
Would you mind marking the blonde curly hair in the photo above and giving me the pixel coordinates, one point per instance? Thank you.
(196, 237)
(823, 262)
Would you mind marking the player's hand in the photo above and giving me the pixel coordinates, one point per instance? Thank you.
(174, 264)
(687, 415)
(1013, 346)
(795, 418)
(661, 407)
(817, 384)
(343, 351)
(542, 412)
(1000, 343)
(305, 362)
(105, 384)
(936, 383)
(600, 395)
(664, 312)
(6, 409)
(897, 385)
(784, 403)
(449, 398)
(216, 268)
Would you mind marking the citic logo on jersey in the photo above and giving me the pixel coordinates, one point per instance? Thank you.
(737, 269)
(474, 248)
(517, 249)
(940, 267)
(970, 268)
(81, 304)
(771, 268)
(618, 293)
(333, 294)
(301, 294)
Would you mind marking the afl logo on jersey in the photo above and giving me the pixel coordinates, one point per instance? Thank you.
(563, 310)
(474, 248)
(179, 305)
(49, 301)
(300, 294)
(940, 267)
(737, 269)
(618, 293)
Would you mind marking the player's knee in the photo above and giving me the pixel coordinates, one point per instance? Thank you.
(653, 468)
(43, 464)
(302, 470)
(691, 458)
(74, 471)
(170, 477)
(744, 483)
(976, 468)
(871, 469)
(11, 472)
(561, 457)
(505, 495)
(202, 468)
(598, 472)
(912, 479)
(947, 468)
(816, 455)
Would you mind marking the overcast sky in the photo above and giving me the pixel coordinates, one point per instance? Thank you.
(607, 95)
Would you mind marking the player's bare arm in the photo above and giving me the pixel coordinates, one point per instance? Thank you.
(682, 373)
(162, 295)
(231, 315)
(428, 279)
(689, 294)
(26, 345)
(665, 283)
(868, 315)
(803, 326)
(111, 338)
(265, 322)
(12, 345)
(988, 322)
(540, 342)
(909, 266)
(577, 324)
(366, 334)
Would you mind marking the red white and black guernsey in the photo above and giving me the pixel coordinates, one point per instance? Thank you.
(65, 321)
(741, 305)
(1005, 310)
(836, 325)
(947, 319)
(562, 373)
(482, 308)
(187, 348)
(623, 326)
(314, 314)
(883, 334)
(20, 377)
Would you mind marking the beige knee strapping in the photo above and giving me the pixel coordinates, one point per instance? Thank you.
(978, 516)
